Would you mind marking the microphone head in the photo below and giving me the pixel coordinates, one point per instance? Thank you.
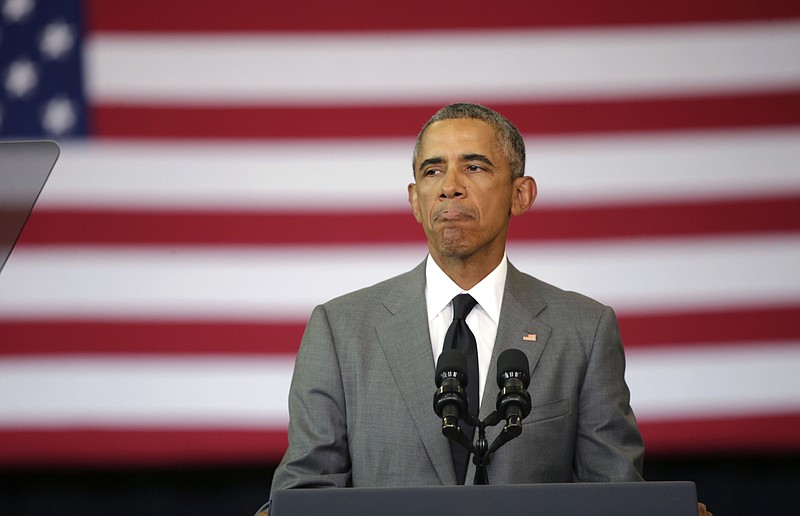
(452, 363)
(512, 363)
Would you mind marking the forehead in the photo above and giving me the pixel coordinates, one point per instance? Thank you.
(459, 135)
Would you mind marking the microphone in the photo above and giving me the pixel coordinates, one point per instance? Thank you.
(513, 400)
(450, 400)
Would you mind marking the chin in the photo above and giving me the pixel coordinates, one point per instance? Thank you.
(455, 249)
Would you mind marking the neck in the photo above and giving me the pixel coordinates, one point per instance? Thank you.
(466, 272)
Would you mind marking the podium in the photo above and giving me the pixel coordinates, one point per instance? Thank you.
(24, 168)
(578, 499)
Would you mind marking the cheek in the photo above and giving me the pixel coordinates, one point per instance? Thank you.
(417, 214)
(413, 202)
(421, 207)
(417, 209)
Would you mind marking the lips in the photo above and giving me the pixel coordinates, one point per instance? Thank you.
(453, 214)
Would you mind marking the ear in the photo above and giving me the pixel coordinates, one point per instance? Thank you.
(523, 195)
(413, 201)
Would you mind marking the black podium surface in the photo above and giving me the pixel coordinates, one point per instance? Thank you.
(595, 499)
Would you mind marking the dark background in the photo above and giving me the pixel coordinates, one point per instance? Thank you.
(729, 485)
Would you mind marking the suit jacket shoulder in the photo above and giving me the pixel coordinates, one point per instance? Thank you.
(533, 291)
(366, 369)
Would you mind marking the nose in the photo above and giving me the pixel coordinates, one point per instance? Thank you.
(452, 185)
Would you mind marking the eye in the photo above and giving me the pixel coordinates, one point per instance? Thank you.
(475, 168)
(431, 171)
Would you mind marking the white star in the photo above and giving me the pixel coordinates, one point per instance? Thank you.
(57, 39)
(17, 10)
(21, 78)
(59, 116)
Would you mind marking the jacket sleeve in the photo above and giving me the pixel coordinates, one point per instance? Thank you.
(609, 447)
(318, 453)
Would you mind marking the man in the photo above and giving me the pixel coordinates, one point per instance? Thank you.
(360, 402)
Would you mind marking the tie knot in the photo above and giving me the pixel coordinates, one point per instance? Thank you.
(463, 305)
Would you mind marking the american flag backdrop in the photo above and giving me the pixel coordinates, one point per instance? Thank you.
(227, 165)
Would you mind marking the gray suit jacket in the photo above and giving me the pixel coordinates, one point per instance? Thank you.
(361, 399)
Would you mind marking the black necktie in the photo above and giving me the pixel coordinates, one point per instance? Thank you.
(460, 337)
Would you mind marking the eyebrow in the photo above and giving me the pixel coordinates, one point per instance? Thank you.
(464, 157)
(429, 161)
(477, 157)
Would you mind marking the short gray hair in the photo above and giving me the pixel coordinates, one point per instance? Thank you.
(511, 142)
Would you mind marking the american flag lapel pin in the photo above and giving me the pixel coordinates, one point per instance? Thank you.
(531, 337)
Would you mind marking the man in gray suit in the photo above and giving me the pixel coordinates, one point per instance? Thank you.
(361, 397)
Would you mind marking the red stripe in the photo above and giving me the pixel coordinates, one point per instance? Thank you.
(156, 446)
(119, 227)
(100, 446)
(723, 327)
(658, 220)
(34, 337)
(355, 15)
(739, 435)
(532, 118)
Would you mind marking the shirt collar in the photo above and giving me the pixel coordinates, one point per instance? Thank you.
(440, 289)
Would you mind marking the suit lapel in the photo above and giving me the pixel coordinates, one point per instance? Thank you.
(406, 343)
(518, 328)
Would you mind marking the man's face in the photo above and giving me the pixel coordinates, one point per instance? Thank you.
(464, 193)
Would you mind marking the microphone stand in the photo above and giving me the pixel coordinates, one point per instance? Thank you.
(482, 450)
(481, 457)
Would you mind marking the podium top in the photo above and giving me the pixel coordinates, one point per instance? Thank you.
(595, 499)
(24, 168)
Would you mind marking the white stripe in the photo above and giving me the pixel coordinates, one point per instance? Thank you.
(672, 274)
(251, 392)
(287, 175)
(374, 175)
(271, 282)
(133, 391)
(487, 65)
(696, 382)
(286, 282)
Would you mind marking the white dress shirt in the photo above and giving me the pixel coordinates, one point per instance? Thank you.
(482, 320)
